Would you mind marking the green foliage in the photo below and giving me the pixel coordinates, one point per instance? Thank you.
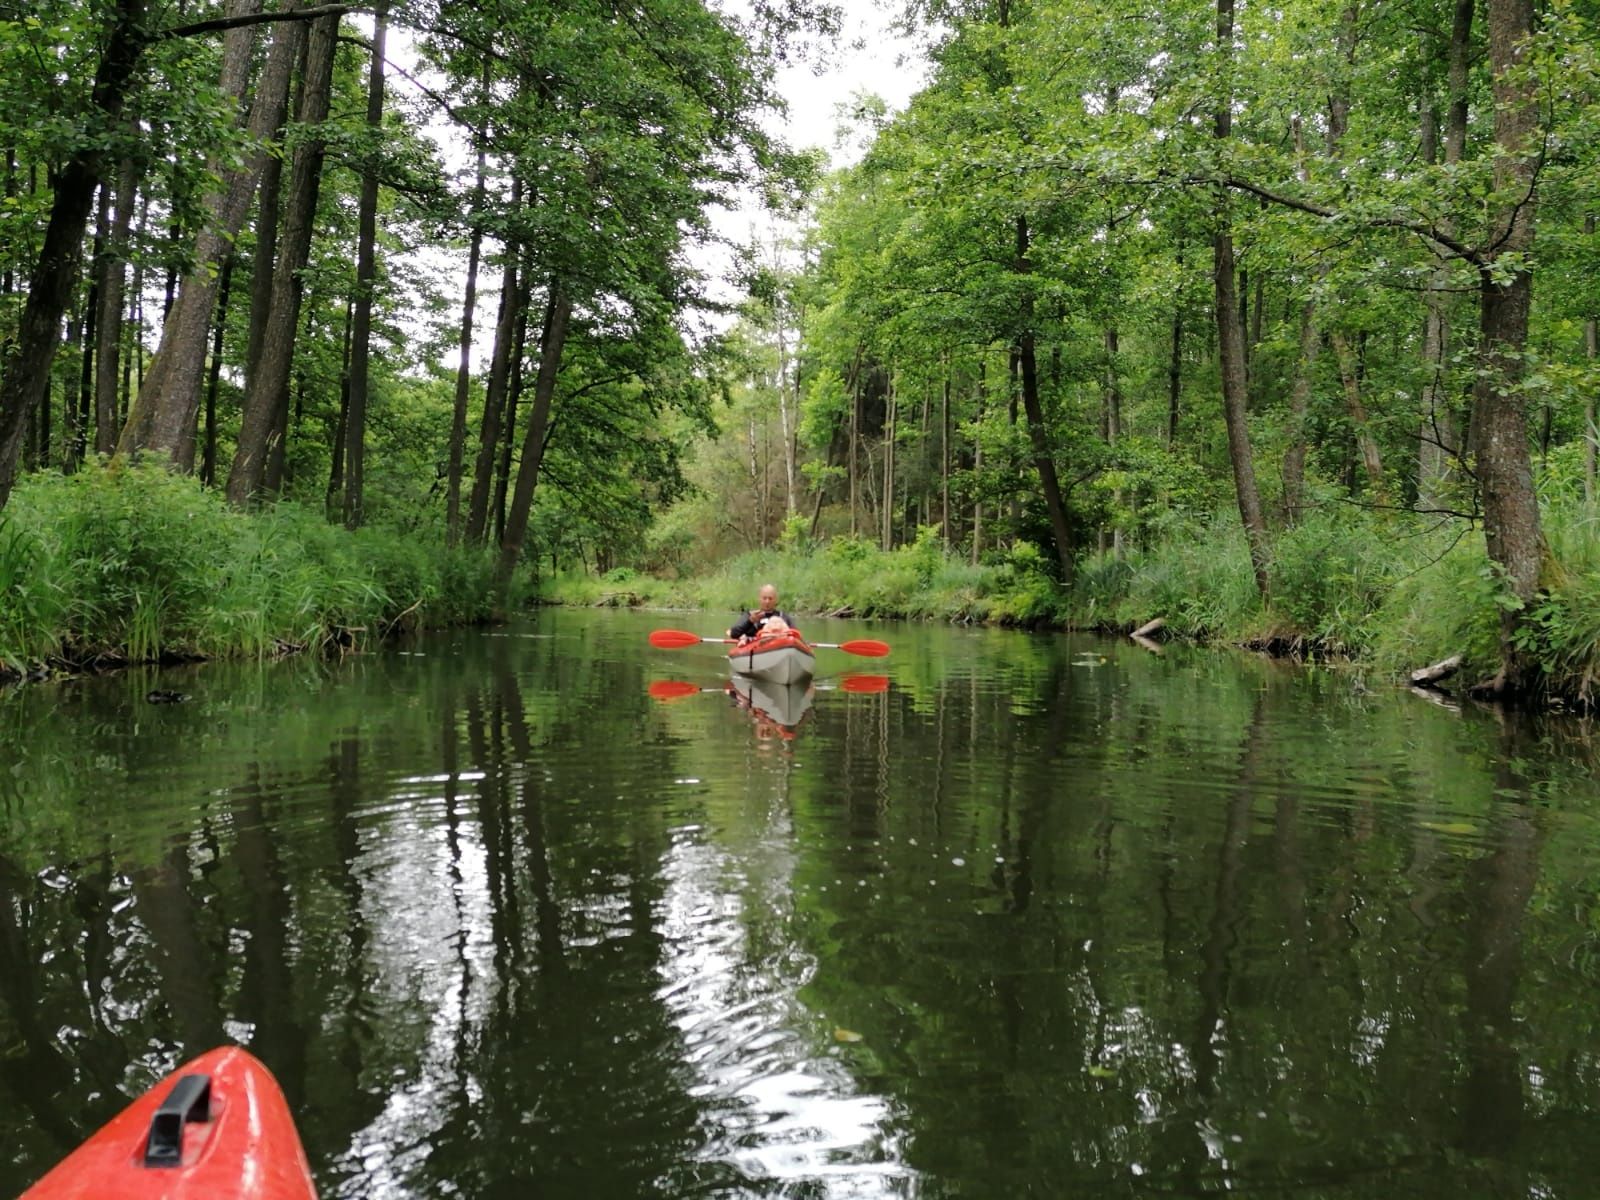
(139, 564)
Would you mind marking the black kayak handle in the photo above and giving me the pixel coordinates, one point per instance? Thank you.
(189, 1100)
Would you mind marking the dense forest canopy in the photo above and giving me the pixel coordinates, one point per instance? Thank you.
(1110, 268)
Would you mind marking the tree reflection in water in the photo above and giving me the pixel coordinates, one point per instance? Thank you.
(1030, 920)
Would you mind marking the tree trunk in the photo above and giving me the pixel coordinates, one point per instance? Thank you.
(1038, 435)
(512, 299)
(25, 373)
(855, 471)
(133, 326)
(163, 417)
(108, 327)
(263, 393)
(77, 427)
(469, 303)
(1439, 440)
(1367, 446)
(277, 469)
(1591, 346)
(788, 419)
(977, 460)
(1499, 424)
(502, 475)
(944, 456)
(1113, 407)
(1230, 341)
(208, 454)
(1175, 376)
(1294, 458)
(366, 271)
(551, 345)
(268, 218)
(335, 496)
(891, 405)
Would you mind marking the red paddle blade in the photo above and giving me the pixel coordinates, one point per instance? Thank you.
(864, 683)
(673, 639)
(672, 689)
(866, 648)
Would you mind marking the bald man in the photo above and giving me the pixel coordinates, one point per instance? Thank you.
(752, 623)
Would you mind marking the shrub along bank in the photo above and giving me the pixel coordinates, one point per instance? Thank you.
(137, 565)
(1392, 591)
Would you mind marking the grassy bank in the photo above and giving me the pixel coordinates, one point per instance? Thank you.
(1392, 591)
(137, 565)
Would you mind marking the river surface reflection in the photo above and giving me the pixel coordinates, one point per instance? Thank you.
(1044, 915)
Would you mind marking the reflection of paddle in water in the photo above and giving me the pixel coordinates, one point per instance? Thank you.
(778, 708)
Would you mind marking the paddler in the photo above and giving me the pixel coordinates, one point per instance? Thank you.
(766, 618)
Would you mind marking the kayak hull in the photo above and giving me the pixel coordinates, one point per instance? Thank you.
(785, 704)
(247, 1149)
(781, 658)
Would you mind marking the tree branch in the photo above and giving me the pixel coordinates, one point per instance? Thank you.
(1429, 232)
(217, 24)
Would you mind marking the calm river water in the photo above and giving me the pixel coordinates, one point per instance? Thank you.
(1046, 917)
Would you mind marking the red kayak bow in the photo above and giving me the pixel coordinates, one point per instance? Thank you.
(217, 1128)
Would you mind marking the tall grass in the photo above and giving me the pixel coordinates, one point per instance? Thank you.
(139, 564)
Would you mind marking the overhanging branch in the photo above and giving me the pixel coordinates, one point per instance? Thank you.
(1431, 233)
(218, 24)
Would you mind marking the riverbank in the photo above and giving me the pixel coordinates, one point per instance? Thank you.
(1391, 592)
(111, 567)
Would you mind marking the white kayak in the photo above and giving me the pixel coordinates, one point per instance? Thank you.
(776, 658)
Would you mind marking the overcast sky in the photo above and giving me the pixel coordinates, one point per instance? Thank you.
(867, 58)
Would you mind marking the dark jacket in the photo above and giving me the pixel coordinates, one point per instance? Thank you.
(750, 624)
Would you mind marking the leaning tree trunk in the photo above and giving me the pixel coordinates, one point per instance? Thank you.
(163, 417)
(277, 350)
(544, 389)
(508, 437)
(1499, 424)
(1230, 339)
(25, 372)
(366, 271)
(513, 297)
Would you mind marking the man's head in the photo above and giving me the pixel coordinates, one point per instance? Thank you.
(769, 598)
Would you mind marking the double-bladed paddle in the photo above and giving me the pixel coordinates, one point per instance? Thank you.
(678, 639)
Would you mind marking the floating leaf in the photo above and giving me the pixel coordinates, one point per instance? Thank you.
(846, 1035)
(1457, 827)
(1100, 1072)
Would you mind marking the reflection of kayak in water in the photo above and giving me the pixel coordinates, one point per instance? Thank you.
(780, 658)
(782, 704)
(218, 1128)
